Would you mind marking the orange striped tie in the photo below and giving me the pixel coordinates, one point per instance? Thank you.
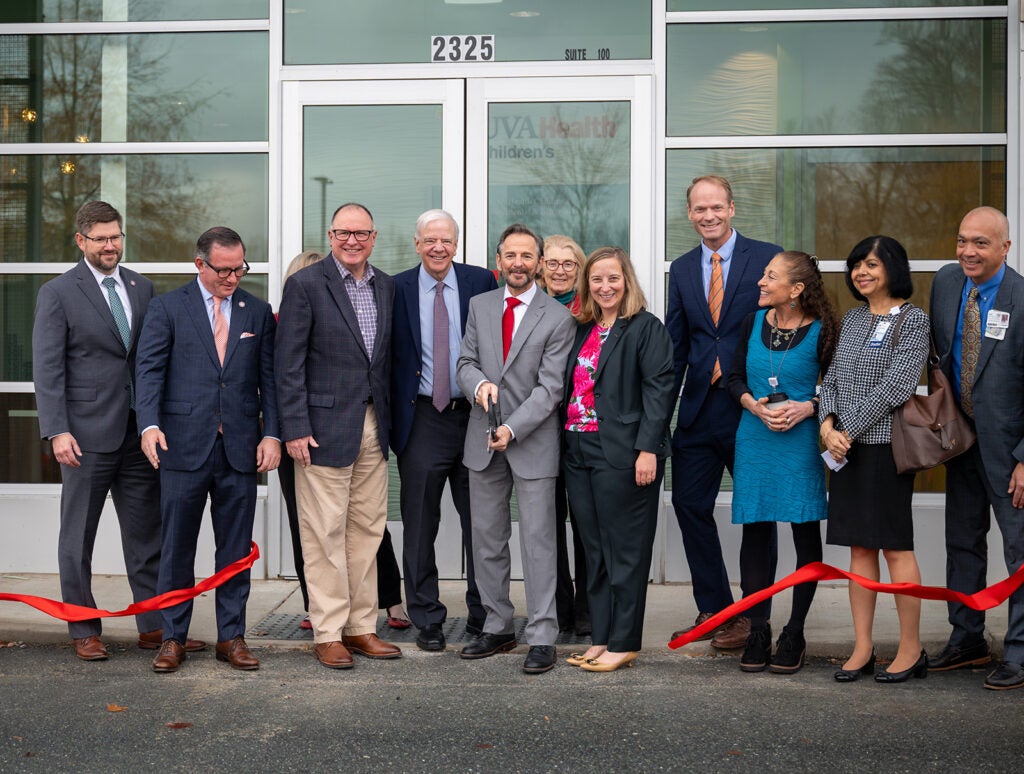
(715, 293)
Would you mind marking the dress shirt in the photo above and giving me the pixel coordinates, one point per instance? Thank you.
(225, 309)
(427, 289)
(119, 288)
(987, 292)
(360, 293)
(725, 252)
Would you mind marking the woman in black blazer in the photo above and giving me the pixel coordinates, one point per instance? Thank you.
(619, 399)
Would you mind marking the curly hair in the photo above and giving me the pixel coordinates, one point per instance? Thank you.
(801, 267)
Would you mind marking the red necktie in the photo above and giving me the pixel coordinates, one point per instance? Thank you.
(508, 322)
(715, 304)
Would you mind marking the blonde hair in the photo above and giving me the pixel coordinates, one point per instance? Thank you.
(633, 300)
(301, 261)
(558, 241)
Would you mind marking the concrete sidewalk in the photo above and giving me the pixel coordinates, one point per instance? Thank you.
(828, 630)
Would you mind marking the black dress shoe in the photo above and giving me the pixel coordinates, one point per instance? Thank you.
(488, 644)
(1005, 676)
(475, 626)
(918, 670)
(960, 656)
(431, 638)
(852, 675)
(541, 658)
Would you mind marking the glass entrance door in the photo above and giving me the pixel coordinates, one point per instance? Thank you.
(563, 155)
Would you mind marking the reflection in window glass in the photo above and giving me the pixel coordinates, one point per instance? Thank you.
(403, 30)
(17, 309)
(136, 10)
(768, 5)
(825, 200)
(24, 457)
(873, 77)
(386, 157)
(167, 201)
(134, 88)
(560, 168)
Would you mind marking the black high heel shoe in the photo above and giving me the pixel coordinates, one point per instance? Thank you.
(919, 670)
(852, 675)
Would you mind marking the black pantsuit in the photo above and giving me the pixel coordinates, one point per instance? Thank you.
(617, 520)
(570, 599)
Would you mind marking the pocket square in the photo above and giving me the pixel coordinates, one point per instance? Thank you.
(247, 335)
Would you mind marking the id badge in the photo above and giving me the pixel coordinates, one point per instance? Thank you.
(878, 335)
(996, 324)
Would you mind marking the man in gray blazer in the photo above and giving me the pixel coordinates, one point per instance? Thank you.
(87, 324)
(977, 313)
(513, 356)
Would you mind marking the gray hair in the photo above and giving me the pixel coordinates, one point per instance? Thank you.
(430, 216)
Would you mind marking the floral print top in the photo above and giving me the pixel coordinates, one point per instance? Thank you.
(581, 414)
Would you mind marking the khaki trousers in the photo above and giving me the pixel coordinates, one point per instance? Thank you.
(342, 517)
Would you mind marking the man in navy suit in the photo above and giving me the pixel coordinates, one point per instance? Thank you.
(429, 415)
(333, 364)
(717, 277)
(205, 371)
(977, 314)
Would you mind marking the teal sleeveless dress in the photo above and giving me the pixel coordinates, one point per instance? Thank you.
(779, 476)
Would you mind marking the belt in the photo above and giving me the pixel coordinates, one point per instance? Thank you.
(455, 404)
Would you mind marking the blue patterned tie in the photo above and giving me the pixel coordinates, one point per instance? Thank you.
(121, 321)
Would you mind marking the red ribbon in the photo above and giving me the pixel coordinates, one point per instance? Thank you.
(985, 599)
(67, 612)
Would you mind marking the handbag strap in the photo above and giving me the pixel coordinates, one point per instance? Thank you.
(933, 355)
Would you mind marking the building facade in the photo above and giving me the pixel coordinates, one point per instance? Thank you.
(833, 120)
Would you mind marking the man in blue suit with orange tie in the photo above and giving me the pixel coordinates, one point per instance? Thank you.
(711, 290)
(429, 415)
(205, 372)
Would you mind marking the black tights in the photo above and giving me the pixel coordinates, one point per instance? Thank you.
(755, 568)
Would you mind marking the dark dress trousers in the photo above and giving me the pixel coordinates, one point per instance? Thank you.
(703, 445)
(184, 390)
(979, 479)
(617, 519)
(429, 447)
(83, 377)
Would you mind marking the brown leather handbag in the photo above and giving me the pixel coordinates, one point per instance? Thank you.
(929, 430)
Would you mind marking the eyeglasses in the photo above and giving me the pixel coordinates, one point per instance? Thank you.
(431, 241)
(342, 235)
(566, 266)
(102, 241)
(241, 271)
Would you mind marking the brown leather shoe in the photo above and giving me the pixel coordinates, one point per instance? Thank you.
(371, 646)
(170, 657)
(154, 639)
(90, 648)
(733, 635)
(333, 655)
(237, 653)
(701, 618)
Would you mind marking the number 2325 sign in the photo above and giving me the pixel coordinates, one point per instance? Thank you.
(462, 48)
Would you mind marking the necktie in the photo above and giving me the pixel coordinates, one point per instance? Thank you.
(508, 322)
(970, 346)
(121, 321)
(715, 292)
(442, 391)
(220, 330)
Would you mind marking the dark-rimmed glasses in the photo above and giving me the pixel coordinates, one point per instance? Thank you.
(240, 272)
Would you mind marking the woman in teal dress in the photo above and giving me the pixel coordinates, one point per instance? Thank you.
(778, 474)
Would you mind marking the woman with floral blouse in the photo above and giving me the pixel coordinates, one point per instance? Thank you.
(619, 381)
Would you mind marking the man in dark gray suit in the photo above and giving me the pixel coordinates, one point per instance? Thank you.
(513, 355)
(977, 313)
(87, 325)
(332, 363)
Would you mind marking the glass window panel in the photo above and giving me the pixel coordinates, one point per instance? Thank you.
(825, 200)
(135, 10)
(386, 157)
(872, 77)
(134, 88)
(401, 30)
(253, 283)
(24, 457)
(17, 309)
(769, 5)
(167, 201)
(560, 168)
